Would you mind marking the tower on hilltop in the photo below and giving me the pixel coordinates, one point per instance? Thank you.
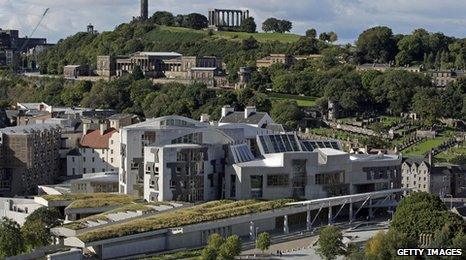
(144, 9)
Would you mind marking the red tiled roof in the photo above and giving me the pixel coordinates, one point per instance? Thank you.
(93, 139)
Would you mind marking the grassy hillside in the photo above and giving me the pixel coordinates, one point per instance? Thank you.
(83, 48)
(186, 33)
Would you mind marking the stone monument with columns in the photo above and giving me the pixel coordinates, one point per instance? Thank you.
(222, 18)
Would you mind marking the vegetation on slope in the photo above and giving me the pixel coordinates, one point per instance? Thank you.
(202, 213)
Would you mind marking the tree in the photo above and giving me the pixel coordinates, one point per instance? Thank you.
(332, 37)
(324, 37)
(431, 215)
(248, 25)
(249, 44)
(209, 253)
(270, 25)
(431, 112)
(50, 217)
(36, 229)
(284, 26)
(286, 113)
(36, 234)
(376, 44)
(311, 33)
(384, 245)
(330, 243)
(195, 21)
(163, 18)
(230, 248)
(138, 74)
(305, 46)
(263, 241)
(11, 241)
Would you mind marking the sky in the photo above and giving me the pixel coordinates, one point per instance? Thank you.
(348, 18)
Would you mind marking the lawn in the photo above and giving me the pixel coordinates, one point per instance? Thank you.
(422, 148)
(303, 101)
(92, 200)
(186, 33)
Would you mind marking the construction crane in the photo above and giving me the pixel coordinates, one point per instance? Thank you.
(35, 29)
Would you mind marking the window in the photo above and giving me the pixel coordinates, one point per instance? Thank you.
(172, 184)
(330, 178)
(256, 186)
(278, 180)
(232, 186)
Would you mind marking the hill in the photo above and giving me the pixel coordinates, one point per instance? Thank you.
(233, 47)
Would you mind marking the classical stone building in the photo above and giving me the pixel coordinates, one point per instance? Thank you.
(29, 156)
(170, 65)
(74, 71)
(268, 61)
(220, 18)
(441, 78)
(106, 66)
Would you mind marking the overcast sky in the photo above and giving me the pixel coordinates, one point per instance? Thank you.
(347, 18)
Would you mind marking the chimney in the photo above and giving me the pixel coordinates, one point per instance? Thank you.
(205, 118)
(227, 110)
(103, 128)
(249, 111)
(85, 128)
(430, 158)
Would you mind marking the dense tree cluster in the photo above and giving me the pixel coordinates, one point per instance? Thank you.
(392, 92)
(432, 50)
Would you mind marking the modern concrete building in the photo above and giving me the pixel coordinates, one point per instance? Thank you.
(176, 158)
(190, 226)
(17, 209)
(172, 153)
(306, 169)
(101, 182)
(29, 156)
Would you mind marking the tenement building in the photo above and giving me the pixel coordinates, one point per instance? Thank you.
(99, 149)
(420, 174)
(29, 156)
